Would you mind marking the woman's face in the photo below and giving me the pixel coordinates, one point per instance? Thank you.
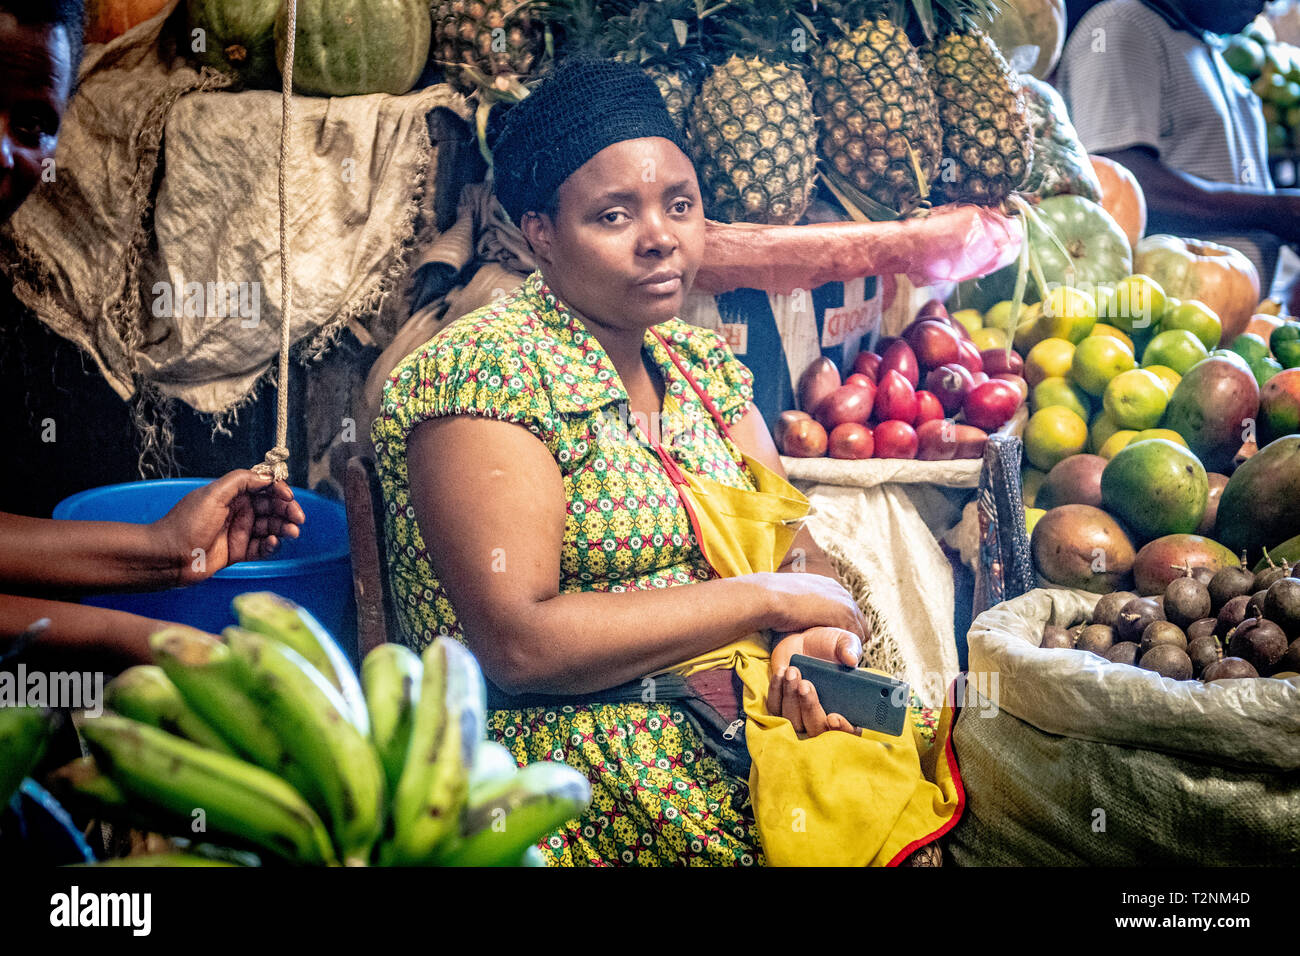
(629, 213)
(35, 81)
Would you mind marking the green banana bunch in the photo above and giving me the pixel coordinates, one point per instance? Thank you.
(450, 721)
(238, 799)
(216, 685)
(81, 781)
(505, 817)
(23, 733)
(145, 693)
(345, 777)
(282, 620)
(492, 762)
(390, 678)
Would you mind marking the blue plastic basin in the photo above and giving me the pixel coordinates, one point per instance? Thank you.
(315, 569)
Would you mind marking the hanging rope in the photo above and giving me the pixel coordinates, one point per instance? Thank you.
(276, 463)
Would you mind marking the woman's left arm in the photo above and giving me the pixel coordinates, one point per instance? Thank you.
(789, 694)
(752, 437)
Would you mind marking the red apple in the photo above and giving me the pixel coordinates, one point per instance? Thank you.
(979, 377)
(900, 358)
(1000, 360)
(817, 381)
(945, 440)
(868, 364)
(804, 438)
(950, 384)
(933, 308)
(851, 440)
(848, 403)
(895, 399)
(1018, 383)
(928, 407)
(895, 440)
(884, 342)
(969, 356)
(783, 423)
(933, 342)
(991, 405)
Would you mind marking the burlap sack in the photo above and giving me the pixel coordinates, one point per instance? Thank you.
(1068, 759)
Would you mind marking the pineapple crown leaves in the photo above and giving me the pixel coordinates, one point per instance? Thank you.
(668, 33)
(778, 31)
(933, 18)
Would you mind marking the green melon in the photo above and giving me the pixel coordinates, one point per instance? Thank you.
(238, 36)
(351, 47)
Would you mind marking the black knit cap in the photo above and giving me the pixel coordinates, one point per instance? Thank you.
(574, 113)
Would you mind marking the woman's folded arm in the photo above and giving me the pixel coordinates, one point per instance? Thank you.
(489, 500)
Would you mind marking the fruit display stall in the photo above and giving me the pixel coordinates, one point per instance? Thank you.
(968, 351)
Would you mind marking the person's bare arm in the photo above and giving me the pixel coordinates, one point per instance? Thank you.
(490, 503)
(1192, 203)
(751, 435)
(237, 517)
(78, 637)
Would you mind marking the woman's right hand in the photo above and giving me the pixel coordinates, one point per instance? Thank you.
(797, 601)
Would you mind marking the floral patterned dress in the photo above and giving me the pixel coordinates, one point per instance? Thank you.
(659, 795)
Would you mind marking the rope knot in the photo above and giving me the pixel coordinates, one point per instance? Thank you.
(275, 465)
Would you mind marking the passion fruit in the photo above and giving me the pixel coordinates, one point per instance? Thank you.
(1167, 661)
(1259, 642)
(1056, 636)
(1230, 583)
(1096, 638)
(1282, 605)
(1186, 600)
(1201, 628)
(1108, 608)
(1163, 632)
(1125, 652)
(1135, 617)
(1231, 614)
(1230, 668)
(1204, 651)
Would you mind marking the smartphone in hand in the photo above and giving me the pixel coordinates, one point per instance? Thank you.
(870, 701)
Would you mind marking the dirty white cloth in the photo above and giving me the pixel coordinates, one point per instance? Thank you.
(163, 220)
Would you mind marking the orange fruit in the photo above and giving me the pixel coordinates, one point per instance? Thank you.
(1098, 359)
(1050, 358)
(1101, 328)
(1116, 442)
(1053, 434)
(1135, 399)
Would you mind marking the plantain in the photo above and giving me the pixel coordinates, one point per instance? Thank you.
(449, 724)
(345, 780)
(145, 693)
(390, 678)
(23, 733)
(291, 624)
(215, 684)
(237, 799)
(503, 819)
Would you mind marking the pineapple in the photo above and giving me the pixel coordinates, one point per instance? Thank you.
(880, 126)
(463, 40)
(752, 128)
(754, 135)
(663, 38)
(988, 142)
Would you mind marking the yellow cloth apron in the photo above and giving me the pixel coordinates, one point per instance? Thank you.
(836, 799)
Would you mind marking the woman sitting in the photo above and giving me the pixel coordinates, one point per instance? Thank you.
(580, 489)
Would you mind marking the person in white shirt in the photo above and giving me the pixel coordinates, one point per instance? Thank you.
(1147, 86)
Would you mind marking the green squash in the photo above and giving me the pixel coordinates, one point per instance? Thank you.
(1060, 164)
(350, 47)
(238, 37)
